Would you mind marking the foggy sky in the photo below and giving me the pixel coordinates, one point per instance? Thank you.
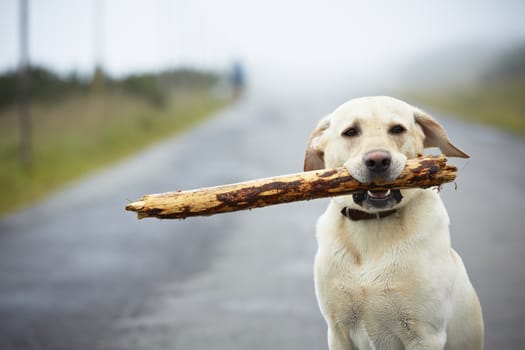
(293, 36)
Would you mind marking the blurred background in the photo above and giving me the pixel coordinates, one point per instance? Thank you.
(102, 101)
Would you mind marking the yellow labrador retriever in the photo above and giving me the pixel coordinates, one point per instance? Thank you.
(386, 276)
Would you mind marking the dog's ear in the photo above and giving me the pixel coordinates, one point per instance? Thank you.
(314, 156)
(436, 136)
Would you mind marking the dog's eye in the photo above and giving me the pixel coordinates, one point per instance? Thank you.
(351, 132)
(397, 129)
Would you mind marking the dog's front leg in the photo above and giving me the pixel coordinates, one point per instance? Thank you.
(339, 338)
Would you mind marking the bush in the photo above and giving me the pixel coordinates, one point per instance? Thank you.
(47, 86)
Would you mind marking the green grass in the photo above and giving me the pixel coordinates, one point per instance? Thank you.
(80, 134)
(499, 103)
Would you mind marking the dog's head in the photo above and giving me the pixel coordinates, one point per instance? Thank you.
(373, 137)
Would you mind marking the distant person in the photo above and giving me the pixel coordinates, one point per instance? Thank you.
(237, 78)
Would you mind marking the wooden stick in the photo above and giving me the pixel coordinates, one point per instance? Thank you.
(421, 172)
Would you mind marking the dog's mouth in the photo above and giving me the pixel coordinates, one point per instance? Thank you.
(378, 199)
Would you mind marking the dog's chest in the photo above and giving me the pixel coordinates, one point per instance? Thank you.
(366, 290)
(370, 298)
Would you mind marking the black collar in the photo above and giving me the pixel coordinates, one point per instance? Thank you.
(356, 215)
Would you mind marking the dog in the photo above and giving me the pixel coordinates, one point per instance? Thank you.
(385, 274)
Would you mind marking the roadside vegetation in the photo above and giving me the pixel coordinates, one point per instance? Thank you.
(80, 126)
(496, 96)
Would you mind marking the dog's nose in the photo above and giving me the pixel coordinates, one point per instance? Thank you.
(377, 161)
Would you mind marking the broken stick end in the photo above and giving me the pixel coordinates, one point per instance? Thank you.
(135, 206)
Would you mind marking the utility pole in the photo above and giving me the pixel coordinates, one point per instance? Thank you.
(97, 83)
(24, 117)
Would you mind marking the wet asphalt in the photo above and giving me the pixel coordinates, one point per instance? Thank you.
(78, 272)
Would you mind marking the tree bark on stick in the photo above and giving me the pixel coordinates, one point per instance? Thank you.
(420, 172)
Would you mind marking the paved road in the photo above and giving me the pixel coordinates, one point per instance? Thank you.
(80, 273)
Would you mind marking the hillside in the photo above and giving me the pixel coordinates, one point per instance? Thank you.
(493, 93)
